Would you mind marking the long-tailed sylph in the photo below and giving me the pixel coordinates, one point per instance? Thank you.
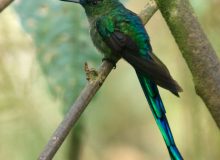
(119, 33)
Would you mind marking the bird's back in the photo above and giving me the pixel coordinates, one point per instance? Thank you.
(126, 22)
(131, 25)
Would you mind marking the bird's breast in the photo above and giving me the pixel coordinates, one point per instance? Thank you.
(98, 41)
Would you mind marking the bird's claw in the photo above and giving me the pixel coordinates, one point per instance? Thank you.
(110, 61)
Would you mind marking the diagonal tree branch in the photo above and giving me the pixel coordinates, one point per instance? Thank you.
(75, 112)
(4, 4)
(84, 98)
(199, 54)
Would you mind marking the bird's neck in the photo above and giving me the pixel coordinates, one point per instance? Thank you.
(94, 12)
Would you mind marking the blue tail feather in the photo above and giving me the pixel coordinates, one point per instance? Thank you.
(153, 97)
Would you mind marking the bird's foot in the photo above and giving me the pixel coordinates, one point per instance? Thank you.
(91, 73)
(110, 61)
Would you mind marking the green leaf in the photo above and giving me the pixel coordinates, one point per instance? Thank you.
(61, 35)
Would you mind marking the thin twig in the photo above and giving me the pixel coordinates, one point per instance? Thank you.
(148, 11)
(84, 98)
(4, 4)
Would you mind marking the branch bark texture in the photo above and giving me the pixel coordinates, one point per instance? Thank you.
(4, 4)
(197, 51)
(84, 98)
(75, 112)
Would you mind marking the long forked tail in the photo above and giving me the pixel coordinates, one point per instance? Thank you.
(153, 97)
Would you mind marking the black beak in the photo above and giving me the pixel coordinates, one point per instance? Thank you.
(74, 1)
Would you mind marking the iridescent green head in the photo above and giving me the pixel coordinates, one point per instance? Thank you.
(92, 3)
(96, 7)
(86, 2)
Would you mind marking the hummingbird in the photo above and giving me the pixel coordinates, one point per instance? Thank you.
(118, 33)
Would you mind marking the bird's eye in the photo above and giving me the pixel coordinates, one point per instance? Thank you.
(95, 2)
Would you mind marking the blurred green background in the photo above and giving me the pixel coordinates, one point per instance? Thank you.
(43, 47)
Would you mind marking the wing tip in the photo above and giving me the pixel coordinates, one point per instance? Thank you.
(177, 90)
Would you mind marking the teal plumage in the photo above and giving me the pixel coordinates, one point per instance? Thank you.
(117, 32)
(158, 110)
